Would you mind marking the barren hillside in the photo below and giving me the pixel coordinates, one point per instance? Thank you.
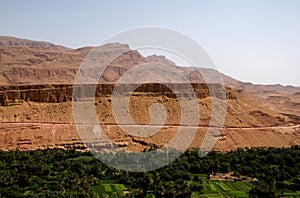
(36, 92)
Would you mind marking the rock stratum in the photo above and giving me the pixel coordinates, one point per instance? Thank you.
(36, 95)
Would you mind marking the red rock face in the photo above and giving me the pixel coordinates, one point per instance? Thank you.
(12, 94)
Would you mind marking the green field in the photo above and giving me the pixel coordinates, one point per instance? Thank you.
(109, 188)
(223, 189)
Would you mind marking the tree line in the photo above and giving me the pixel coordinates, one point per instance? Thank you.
(71, 173)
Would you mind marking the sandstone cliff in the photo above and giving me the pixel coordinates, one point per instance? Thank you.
(13, 94)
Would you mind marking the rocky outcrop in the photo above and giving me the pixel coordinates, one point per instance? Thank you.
(11, 94)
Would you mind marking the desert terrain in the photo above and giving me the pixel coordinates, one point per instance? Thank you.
(36, 86)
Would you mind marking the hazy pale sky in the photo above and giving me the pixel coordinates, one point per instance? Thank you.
(251, 40)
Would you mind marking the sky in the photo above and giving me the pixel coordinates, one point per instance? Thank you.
(254, 41)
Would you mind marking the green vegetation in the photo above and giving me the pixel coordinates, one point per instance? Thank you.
(70, 173)
(224, 188)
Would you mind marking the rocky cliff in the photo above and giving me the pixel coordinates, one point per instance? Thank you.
(13, 94)
(35, 62)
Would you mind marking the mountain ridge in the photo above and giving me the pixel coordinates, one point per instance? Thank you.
(36, 82)
(11, 41)
(37, 62)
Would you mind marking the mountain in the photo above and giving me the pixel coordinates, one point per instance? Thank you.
(35, 62)
(10, 41)
(36, 91)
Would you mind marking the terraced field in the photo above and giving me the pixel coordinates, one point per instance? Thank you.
(224, 189)
(232, 189)
(109, 188)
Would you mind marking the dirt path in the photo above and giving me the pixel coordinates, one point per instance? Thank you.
(153, 125)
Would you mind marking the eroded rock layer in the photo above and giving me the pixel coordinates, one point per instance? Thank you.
(64, 92)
